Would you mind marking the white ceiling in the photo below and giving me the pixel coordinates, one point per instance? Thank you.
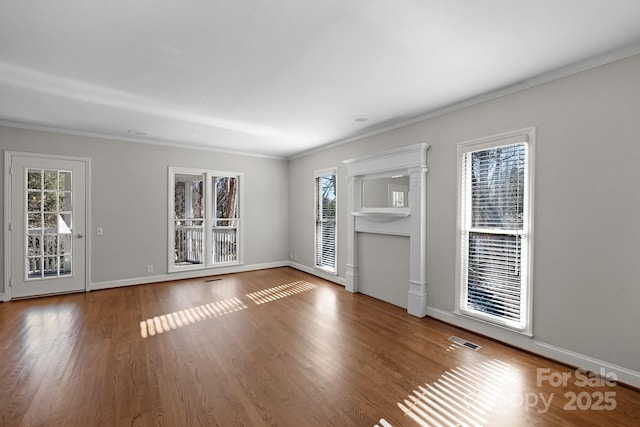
(281, 77)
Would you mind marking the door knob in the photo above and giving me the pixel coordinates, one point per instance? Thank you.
(79, 235)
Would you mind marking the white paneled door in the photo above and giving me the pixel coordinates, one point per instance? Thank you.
(47, 225)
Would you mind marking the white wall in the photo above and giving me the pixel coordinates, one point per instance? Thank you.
(586, 286)
(129, 201)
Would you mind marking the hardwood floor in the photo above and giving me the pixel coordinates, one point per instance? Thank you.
(273, 348)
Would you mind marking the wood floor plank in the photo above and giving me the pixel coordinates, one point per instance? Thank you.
(271, 348)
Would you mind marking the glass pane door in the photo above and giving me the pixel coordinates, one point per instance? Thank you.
(47, 220)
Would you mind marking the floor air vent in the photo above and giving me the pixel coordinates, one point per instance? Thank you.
(465, 343)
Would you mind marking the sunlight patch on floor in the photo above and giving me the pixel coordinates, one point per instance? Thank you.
(462, 396)
(167, 322)
(453, 347)
(178, 319)
(282, 291)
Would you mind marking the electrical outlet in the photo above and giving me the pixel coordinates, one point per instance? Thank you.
(149, 268)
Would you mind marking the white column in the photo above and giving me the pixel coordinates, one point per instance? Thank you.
(353, 197)
(417, 297)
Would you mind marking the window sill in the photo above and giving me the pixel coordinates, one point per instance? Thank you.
(326, 270)
(487, 321)
(181, 268)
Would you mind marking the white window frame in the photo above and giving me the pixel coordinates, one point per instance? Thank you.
(524, 325)
(207, 218)
(318, 174)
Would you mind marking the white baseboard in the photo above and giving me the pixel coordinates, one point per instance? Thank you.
(185, 275)
(623, 375)
(319, 273)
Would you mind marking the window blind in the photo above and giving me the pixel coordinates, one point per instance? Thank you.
(325, 189)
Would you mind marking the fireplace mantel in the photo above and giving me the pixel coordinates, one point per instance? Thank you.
(407, 220)
(381, 216)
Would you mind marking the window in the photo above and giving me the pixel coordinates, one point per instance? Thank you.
(494, 251)
(397, 196)
(225, 219)
(204, 229)
(325, 192)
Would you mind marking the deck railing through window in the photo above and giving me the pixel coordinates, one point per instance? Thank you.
(189, 244)
(225, 247)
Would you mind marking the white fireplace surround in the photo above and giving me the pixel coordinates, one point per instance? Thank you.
(402, 221)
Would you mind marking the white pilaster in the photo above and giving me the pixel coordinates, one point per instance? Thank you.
(353, 194)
